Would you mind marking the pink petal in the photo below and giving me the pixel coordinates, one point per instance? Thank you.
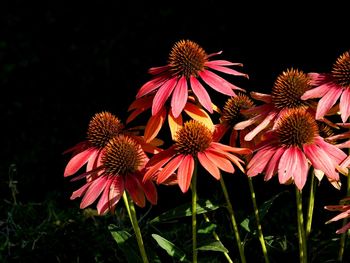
(158, 70)
(343, 229)
(162, 95)
(327, 101)
(333, 152)
(133, 186)
(179, 97)
(150, 86)
(272, 166)
(286, 165)
(227, 70)
(169, 169)
(92, 162)
(321, 161)
(344, 105)
(220, 161)
(222, 63)
(342, 215)
(78, 161)
(267, 98)
(317, 79)
(95, 189)
(263, 125)
(318, 92)
(259, 161)
(80, 191)
(150, 191)
(209, 165)
(201, 94)
(185, 172)
(156, 162)
(217, 83)
(111, 195)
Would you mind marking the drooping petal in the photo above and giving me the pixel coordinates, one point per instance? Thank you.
(143, 103)
(132, 185)
(337, 207)
(272, 166)
(95, 189)
(267, 98)
(316, 79)
(201, 94)
(286, 165)
(150, 86)
(185, 172)
(343, 229)
(217, 145)
(81, 191)
(158, 70)
(230, 157)
(199, 115)
(219, 131)
(327, 101)
(179, 97)
(78, 161)
(318, 92)
(344, 105)
(209, 165)
(111, 195)
(154, 125)
(169, 169)
(263, 125)
(220, 62)
(220, 161)
(92, 162)
(217, 83)
(342, 215)
(228, 70)
(320, 160)
(162, 95)
(301, 171)
(150, 191)
(259, 161)
(334, 152)
(175, 124)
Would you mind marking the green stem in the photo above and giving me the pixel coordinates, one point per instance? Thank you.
(206, 218)
(257, 218)
(194, 215)
(301, 229)
(132, 215)
(311, 205)
(345, 221)
(233, 220)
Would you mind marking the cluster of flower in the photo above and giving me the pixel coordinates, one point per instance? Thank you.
(284, 133)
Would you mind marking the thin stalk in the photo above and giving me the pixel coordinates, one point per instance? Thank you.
(194, 215)
(132, 215)
(345, 221)
(301, 229)
(310, 210)
(233, 220)
(257, 218)
(215, 235)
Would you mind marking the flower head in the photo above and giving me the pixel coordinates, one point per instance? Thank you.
(286, 94)
(188, 66)
(345, 213)
(332, 86)
(193, 142)
(291, 146)
(121, 168)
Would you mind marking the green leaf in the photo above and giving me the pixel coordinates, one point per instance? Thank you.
(212, 245)
(279, 243)
(207, 228)
(126, 243)
(249, 224)
(203, 206)
(170, 248)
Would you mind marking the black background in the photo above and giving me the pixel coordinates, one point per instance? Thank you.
(62, 62)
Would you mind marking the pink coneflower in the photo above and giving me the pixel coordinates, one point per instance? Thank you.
(188, 65)
(121, 168)
(291, 147)
(331, 86)
(231, 114)
(155, 122)
(193, 142)
(286, 94)
(345, 213)
(103, 126)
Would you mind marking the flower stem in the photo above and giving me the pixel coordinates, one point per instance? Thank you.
(206, 218)
(257, 218)
(301, 229)
(132, 215)
(194, 215)
(345, 220)
(233, 220)
(310, 209)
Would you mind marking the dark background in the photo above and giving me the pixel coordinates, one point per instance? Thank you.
(62, 62)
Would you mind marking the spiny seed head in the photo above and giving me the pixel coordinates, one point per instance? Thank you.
(341, 70)
(192, 138)
(324, 130)
(288, 88)
(296, 127)
(102, 127)
(231, 112)
(123, 156)
(187, 58)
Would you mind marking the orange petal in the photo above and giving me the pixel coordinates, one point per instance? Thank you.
(154, 125)
(199, 115)
(184, 173)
